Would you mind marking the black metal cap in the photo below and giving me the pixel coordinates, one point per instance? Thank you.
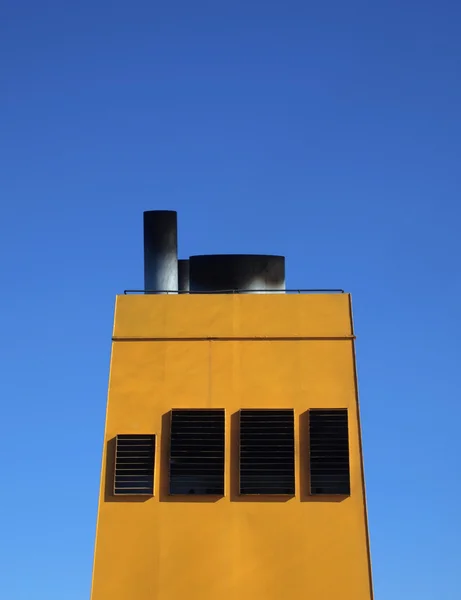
(237, 272)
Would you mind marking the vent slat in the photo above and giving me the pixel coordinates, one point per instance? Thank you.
(134, 464)
(267, 452)
(197, 452)
(133, 451)
(329, 452)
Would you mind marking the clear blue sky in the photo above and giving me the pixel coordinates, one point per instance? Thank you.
(329, 132)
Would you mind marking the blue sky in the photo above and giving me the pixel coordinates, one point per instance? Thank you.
(327, 132)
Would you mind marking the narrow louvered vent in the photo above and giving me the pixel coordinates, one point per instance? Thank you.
(197, 452)
(267, 452)
(329, 452)
(134, 464)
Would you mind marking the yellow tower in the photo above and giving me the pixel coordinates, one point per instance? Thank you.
(232, 464)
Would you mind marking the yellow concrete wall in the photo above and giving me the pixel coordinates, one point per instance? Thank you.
(232, 352)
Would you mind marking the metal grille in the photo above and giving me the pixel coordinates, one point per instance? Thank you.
(197, 452)
(267, 452)
(329, 452)
(134, 464)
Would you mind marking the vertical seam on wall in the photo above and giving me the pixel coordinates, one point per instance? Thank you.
(210, 374)
(362, 469)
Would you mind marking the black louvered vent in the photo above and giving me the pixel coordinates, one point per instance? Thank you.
(329, 452)
(197, 452)
(267, 462)
(134, 464)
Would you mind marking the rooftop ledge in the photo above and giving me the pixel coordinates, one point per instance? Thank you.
(252, 291)
(304, 314)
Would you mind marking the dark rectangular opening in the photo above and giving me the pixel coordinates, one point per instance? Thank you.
(329, 452)
(266, 452)
(197, 452)
(134, 464)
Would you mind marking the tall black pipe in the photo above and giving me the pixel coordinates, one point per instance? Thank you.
(237, 272)
(183, 275)
(160, 251)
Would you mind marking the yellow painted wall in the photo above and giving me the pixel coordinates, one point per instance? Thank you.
(232, 352)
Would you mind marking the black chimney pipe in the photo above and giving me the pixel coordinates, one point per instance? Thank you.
(183, 275)
(160, 251)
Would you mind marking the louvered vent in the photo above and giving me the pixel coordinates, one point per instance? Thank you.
(267, 452)
(197, 452)
(134, 464)
(329, 452)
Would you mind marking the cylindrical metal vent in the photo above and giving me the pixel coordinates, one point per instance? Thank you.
(160, 251)
(237, 272)
(183, 275)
